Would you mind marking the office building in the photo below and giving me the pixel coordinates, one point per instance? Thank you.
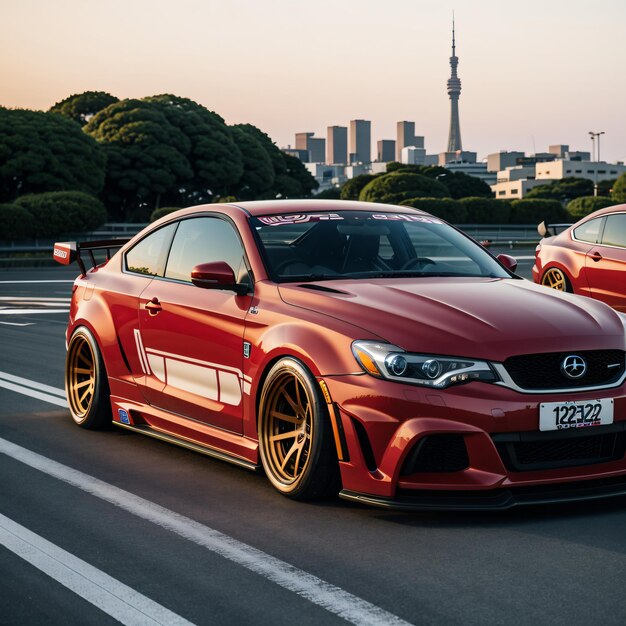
(385, 150)
(302, 140)
(405, 138)
(360, 148)
(337, 145)
(499, 161)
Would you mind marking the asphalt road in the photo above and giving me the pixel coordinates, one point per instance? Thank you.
(99, 526)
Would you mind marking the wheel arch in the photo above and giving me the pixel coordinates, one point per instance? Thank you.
(97, 318)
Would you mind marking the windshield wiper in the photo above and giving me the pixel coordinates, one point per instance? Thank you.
(305, 278)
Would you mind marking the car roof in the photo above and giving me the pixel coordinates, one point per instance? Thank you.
(285, 207)
(282, 207)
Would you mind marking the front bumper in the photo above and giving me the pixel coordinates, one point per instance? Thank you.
(495, 499)
(383, 422)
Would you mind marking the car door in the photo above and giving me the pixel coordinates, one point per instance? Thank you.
(192, 338)
(606, 263)
(141, 263)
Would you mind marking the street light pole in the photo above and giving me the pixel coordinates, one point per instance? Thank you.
(598, 136)
(595, 136)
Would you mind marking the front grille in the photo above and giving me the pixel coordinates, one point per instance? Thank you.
(558, 450)
(543, 371)
(437, 453)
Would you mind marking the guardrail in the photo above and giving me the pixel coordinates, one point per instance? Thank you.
(30, 253)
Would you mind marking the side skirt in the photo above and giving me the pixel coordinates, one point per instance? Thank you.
(190, 445)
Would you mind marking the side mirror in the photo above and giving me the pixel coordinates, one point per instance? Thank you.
(217, 275)
(508, 261)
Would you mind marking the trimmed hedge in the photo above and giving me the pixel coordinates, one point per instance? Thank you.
(486, 210)
(15, 222)
(580, 207)
(446, 208)
(533, 211)
(58, 212)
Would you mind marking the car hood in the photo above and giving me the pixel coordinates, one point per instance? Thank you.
(472, 317)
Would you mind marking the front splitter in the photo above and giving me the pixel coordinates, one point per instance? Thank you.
(496, 499)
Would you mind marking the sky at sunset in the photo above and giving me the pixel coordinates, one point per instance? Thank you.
(533, 73)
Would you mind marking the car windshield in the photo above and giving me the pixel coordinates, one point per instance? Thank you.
(362, 244)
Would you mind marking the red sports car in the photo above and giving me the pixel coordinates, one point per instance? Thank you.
(348, 347)
(588, 258)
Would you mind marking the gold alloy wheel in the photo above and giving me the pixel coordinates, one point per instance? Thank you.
(555, 279)
(80, 376)
(287, 428)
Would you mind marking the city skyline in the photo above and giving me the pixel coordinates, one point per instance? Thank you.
(545, 76)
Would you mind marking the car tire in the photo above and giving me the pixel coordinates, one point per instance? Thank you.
(556, 279)
(295, 437)
(86, 382)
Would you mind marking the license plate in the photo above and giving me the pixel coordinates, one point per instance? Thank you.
(575, 414)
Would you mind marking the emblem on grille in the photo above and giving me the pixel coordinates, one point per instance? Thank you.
(574, 366)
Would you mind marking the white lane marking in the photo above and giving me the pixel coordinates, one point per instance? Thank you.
(24, 282)
(110, 595)
(31, 383)
(33, 393)
(326, 595)
(32, 311)
(16, 324)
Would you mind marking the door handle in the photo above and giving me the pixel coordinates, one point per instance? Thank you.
(596, 256)
(153, 306)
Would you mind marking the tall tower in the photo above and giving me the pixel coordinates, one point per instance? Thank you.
(454, 91)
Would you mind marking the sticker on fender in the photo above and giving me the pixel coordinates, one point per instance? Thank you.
(575, 414)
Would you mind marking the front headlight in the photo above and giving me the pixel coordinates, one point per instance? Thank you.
(385, 360)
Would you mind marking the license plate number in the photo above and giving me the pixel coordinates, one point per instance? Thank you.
(575, 414)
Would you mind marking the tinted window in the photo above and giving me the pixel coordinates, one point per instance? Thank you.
(364, 245)
(589, 231)
(615, 230)
(148, 256)
(203, 240)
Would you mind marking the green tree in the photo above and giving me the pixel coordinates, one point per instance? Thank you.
(562, 190)
(215, 159)
(81, 107)
(291, 178)
(164, 150)
(619, 189)
(459, 185)
(605, 187)
(580, 207)
(351, 189)
(258, 172)
(297, 181)
(536, 210)
(46, 152)
(16, 223)
(397, 186)
(61, 212)
(447, 209)
(486, 210)
(463, 185)
(146, 157)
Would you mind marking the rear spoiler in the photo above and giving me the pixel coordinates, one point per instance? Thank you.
(549, 230)
(66, 252)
